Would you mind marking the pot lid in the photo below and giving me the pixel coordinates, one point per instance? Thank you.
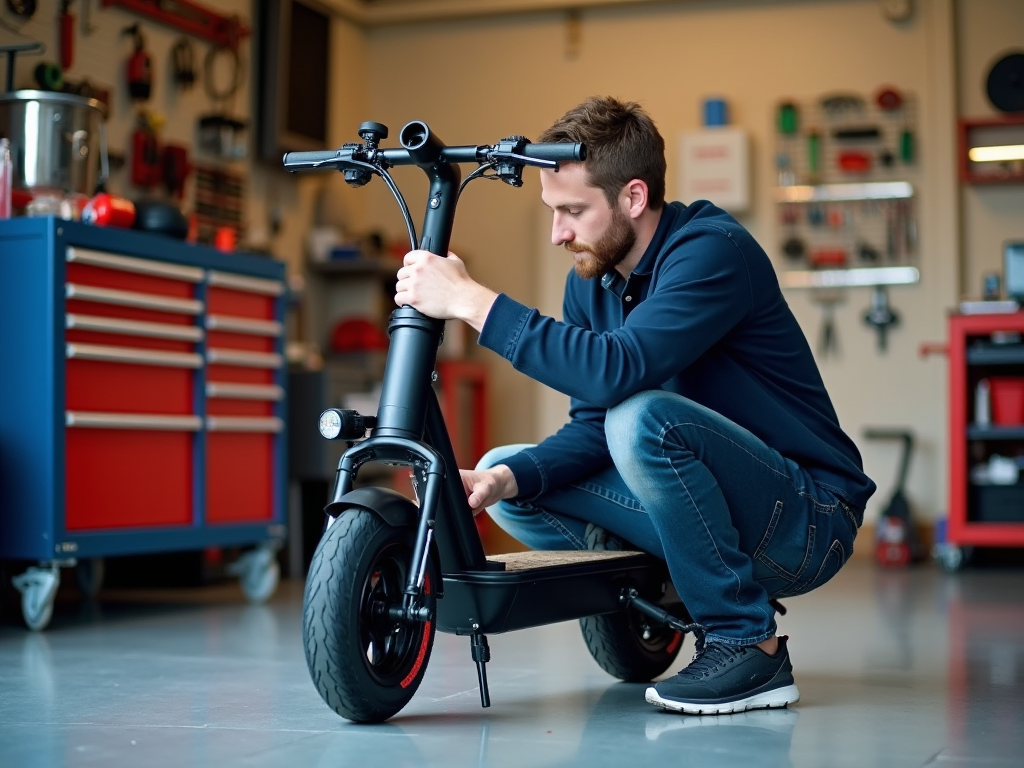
(53, 96)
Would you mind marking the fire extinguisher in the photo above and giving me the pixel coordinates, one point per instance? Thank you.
(140, 66)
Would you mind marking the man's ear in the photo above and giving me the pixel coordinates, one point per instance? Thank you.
(634, 198)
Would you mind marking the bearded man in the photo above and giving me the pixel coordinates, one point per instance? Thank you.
(699, 427)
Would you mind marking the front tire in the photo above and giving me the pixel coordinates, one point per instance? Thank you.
(364, 665)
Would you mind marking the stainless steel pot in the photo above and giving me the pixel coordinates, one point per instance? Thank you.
(57, 141)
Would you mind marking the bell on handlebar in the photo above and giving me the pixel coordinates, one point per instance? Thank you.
(372, 133)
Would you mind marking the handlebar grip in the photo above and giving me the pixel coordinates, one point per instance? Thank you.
(300, 160)
(562, 152)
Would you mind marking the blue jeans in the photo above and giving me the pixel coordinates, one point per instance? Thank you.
(735, 521)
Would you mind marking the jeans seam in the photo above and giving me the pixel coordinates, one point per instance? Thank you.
(555, 523)
(617, 498)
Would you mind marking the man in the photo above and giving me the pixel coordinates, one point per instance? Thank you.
(700, 429)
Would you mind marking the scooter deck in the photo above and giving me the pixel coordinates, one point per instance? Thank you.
(537, 588)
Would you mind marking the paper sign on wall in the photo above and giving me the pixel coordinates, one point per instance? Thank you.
(715, 165)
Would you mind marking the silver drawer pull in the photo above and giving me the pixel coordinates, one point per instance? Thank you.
(109, 354)
(234, 391)
(243, 424)
(130, 264)
(244, 359)
(247, 325)
(133, 299)
(243, 283)
(133, 421)
(133, 327)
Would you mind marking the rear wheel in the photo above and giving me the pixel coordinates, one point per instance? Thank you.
(629, 646)
(365, 665)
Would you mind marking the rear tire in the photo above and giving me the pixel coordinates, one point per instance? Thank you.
(629, 646)
(365, 666)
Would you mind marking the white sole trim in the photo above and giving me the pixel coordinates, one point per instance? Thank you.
(778, 698)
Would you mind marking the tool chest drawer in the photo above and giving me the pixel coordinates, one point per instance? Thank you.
(141, 393)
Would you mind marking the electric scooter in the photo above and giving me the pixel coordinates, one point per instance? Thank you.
(390, 572)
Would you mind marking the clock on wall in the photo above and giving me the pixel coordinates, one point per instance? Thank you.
(896, 10)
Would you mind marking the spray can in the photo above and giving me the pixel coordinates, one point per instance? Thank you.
(105, 210)
(6, 178)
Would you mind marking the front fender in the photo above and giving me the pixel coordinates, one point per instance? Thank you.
(395, 509)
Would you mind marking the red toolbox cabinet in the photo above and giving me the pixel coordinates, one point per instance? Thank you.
(141, 401)
(989, 347)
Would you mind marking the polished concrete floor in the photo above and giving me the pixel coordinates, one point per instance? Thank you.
(896, 668)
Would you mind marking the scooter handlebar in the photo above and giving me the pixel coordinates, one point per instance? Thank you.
(562, 152)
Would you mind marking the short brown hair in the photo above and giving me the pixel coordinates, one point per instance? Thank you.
(622, 144)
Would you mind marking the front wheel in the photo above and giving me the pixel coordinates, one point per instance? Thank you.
(365, 665)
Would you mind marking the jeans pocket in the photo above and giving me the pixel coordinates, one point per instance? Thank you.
(835, 558)
(784, 552)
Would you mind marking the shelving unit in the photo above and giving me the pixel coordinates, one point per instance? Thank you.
(973, 357)
(1005, 132)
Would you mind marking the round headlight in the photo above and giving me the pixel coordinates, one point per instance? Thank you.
(330, 424)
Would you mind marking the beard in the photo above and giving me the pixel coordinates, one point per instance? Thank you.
(610, 249)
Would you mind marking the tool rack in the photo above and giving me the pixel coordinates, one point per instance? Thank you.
(141, 403)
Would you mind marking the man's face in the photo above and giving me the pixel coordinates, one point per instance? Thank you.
(598, 235)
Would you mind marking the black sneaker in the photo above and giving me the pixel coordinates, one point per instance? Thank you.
(728, 678)
(597, 538)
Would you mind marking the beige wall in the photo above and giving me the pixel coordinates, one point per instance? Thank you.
(474, 81)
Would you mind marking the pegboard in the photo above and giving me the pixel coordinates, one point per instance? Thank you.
(101, 50)
(846, 165)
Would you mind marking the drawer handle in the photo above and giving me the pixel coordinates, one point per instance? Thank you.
(244, 359)
(130, 264)
(132, 421)
(233, 391)
(243, 424)
(247, 284)
(109, 354)
(133, 327)
(243, 325)
(133, 299)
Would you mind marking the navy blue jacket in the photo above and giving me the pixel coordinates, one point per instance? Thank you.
(702, 315)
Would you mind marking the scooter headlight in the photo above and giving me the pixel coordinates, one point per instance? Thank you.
(330, 424)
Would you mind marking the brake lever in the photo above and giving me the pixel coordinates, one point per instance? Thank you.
(522, 159)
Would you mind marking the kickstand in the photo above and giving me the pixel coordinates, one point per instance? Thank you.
(481, 655)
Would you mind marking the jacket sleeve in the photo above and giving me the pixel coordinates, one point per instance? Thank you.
(700, 290)
(576, 450)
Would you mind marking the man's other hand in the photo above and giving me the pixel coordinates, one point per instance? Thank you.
(486, 487)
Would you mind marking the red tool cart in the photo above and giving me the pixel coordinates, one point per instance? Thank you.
(986, 439)
(141, 403)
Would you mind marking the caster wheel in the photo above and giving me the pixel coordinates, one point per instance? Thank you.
(38, 587)
(258, 574)
(89, 574)
(953, 558)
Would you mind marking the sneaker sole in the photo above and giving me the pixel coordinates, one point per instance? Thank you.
(780, 697)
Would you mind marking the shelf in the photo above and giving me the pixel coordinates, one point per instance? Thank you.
(1002, 135)
(832, 193)
(351, 267)
(850, 278)
(995, 354)
(1015, 432)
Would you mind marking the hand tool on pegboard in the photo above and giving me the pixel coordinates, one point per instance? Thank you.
(66, 25)
(139, 69)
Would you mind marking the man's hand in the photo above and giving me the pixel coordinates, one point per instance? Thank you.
(486, 487)
(442, 288)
